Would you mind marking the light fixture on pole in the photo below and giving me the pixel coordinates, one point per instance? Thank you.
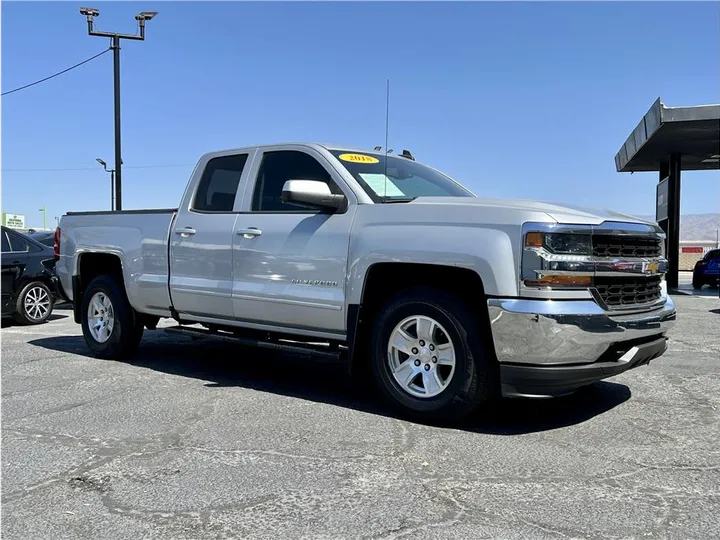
(112, 182)
(44, 211)
(115, 38)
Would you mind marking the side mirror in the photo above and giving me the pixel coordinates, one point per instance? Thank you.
(312, 194)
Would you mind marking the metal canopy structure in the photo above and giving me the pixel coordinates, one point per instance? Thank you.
(668, 140)
(693, 132)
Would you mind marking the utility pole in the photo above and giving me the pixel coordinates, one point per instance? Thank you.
(44, 211)
(115, 38)
(112, 182)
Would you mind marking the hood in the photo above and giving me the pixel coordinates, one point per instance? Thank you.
(566, 213)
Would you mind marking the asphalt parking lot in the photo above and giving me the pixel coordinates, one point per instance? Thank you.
(206, 440)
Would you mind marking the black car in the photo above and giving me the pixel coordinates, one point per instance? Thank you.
(44, 237)
(29, 283)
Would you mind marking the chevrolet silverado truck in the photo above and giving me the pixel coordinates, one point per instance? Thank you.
(445, 300)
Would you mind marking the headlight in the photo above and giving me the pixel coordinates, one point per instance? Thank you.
(558, 260)
(560, 243)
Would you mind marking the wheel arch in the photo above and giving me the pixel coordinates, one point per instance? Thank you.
(89, 266)
(385, 279)
(42, 278)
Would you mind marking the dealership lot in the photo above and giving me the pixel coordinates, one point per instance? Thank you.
(206, 440)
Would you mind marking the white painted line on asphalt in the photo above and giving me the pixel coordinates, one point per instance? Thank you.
(28, 332)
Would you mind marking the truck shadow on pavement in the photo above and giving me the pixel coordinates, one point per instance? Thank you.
(228, 365)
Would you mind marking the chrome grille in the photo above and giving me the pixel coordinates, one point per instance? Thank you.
(628, 291)
(610, 245)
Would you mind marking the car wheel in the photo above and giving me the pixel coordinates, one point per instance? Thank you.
(109, 324)
(34, 304)
(428, 357)
(697, 283)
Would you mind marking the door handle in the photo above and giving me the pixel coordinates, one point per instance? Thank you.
(250, 232)
(185, 232)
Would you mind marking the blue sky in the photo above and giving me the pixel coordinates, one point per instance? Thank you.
(527, 100)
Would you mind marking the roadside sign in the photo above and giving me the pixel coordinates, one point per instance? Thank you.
(14, 221)
(661, 200)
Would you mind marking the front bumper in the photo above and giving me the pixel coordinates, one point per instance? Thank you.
(551, 347)
(550, 381)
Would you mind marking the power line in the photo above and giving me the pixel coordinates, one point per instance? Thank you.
(96, 168)
(55, 74)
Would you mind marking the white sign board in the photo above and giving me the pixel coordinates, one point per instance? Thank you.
(14, 221)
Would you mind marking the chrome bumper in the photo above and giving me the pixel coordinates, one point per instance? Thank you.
(556, 332)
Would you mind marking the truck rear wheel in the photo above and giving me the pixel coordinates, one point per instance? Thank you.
(428, 358)
(109, 324)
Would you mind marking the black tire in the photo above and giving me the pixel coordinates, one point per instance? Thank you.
(127, 329)
(22, 315)
(697, 283)
(475, 381)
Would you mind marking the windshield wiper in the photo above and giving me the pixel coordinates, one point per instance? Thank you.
(397, 199)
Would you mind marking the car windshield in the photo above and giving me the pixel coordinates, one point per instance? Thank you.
(402, 180)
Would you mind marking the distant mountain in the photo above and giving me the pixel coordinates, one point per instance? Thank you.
(696, 226)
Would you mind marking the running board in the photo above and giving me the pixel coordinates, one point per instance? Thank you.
(326, 353)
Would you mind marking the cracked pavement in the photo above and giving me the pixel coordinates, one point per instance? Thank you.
(198, 439)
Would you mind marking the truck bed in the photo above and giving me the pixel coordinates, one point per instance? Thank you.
(139, 238)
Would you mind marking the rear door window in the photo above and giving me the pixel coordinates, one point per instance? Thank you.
(219, 184)
(18, 243)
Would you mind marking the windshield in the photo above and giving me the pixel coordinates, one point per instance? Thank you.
(402, 180)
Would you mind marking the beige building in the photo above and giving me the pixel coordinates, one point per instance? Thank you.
(692, 251)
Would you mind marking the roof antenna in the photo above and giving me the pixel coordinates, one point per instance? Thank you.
(387, 128)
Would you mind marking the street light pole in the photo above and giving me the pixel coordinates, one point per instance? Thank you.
(118, 154)
(44, 211)
(112, 182)
(115, 38)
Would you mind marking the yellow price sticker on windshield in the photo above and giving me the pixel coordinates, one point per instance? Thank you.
(358, 158)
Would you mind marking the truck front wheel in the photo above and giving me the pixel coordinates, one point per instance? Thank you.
(109, 324)
(428, 358)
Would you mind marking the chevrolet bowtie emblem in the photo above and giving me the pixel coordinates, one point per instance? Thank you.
(651, 268)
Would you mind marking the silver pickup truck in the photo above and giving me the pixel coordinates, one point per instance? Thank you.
(446, 300)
